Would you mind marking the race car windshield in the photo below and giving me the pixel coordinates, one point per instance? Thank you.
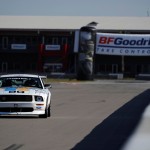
(20, 81)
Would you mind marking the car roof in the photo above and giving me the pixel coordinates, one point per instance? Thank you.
(20, 75)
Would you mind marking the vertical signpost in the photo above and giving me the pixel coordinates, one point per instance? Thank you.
(86, 52)
(122, 64)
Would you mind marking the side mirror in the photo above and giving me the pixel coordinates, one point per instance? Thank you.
(47, 86)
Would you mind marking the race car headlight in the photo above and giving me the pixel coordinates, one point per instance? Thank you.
(39, 98)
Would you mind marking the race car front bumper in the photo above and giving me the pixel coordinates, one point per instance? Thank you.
(22, 108)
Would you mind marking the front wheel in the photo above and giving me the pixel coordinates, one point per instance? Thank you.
(49, 111)
(44, 115)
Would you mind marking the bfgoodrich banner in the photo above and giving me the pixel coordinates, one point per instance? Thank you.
(123, 44)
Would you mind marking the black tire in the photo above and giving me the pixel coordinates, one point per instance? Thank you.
(44, 115)
(49, 111)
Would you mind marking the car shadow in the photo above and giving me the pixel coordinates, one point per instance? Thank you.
(114, 131)
(18, 117)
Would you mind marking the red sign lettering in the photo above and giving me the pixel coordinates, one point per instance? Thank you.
(106, 40)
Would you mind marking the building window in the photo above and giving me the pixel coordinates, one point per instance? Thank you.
(17, 40)
(55, 41)
(5, 42)
(64, 40)
(47, 40)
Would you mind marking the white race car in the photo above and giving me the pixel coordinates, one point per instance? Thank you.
(24, 94)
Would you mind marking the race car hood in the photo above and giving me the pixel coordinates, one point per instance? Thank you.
(22, 90)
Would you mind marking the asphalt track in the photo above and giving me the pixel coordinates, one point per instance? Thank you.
(98, 115)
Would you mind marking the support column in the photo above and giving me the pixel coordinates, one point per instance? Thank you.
(122, 64)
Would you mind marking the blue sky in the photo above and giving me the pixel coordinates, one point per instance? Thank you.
(75, 7)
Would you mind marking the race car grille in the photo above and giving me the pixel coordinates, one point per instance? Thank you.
(15, 98)
(18, 109)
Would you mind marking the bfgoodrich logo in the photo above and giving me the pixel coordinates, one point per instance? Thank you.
(123, 44)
